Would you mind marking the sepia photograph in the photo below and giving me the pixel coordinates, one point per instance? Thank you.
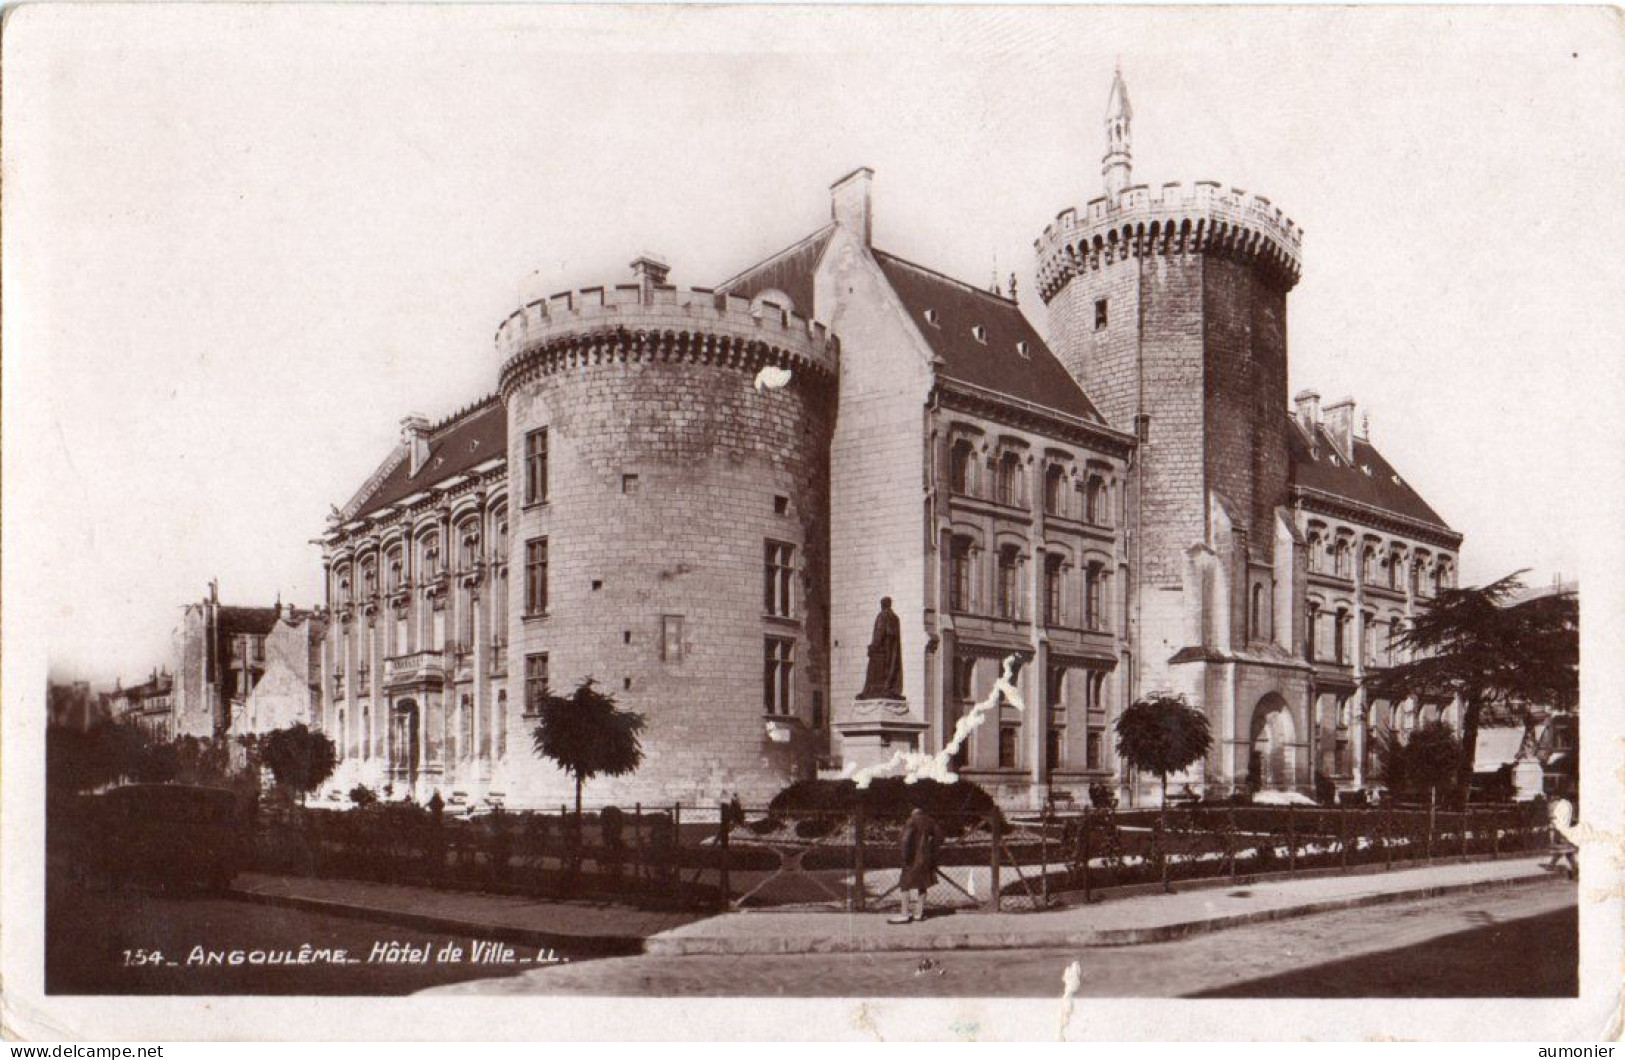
(920, 515)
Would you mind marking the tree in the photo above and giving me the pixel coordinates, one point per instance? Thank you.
(587, 735)
(1426, 762)
(298, 758)
(1478, 645)
(1162, 734)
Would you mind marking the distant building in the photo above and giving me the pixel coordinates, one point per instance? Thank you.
(245, 669)
(77, 706)
(149, 706)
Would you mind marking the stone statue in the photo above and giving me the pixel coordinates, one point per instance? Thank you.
(884, 679)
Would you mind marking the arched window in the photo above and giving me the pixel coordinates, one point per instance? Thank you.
(1340, 637)
(1340, 558)
(959, 575)
(369, 579)
(397, 573)
(1314, 550)
(1009, 587)
(1098, 501)
(1094, 596)
(1010, 479)
(1396, 569)
(1055, 490)
(961, 459)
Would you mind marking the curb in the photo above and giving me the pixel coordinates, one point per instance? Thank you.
(567, 945)
(684, 946)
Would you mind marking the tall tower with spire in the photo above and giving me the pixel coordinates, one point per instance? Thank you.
(1168, 304)
(1117, 167)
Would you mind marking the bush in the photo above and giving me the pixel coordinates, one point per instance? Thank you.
(1325, 791)
(815, 827)
(1102, 796)
(889, 798)
(362, 795)
(610, 822)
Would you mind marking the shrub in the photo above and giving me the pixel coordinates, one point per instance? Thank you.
(766, 826)
(1325, 790)
(1102, 796)
(362, 795)
(815, 827)
(888, 798)
(610, 822)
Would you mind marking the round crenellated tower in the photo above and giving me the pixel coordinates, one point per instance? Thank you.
(669, 467)
(1169, 307)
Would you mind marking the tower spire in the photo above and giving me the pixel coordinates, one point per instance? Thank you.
(1118, 165)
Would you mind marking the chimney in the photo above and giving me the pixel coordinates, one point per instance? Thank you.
(849, 202)
(1340, 425)
(415, 436)
(651, 272)
(1308, 404)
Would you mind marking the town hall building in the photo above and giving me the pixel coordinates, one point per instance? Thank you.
(697, 497)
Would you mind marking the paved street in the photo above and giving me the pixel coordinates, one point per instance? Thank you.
(91, 930)
(1513, 943)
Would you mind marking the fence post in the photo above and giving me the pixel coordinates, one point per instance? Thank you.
(1433, 799)
(1086, 881)
(638, 866)
(1291, 840)
(1387, 840)
(993, 857)
(1466, 821)
(859, 888)
(1044, 854)
(1495, 833)
(1230, 839)
(723, 829)
(1343, 815)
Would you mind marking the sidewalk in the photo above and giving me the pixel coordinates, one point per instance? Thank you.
(588, 929)
(1118, 922)
(582, 928)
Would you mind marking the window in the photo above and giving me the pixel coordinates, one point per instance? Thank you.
(777, 578)
(258, 649)
(1094, 687)
(1053, 611)
(778, 675)
(781, 504)
(369, 581)
(536, 576)
(1094, 752)
(536, 466)
(1309, 631)
(1368, 566)
(671, 638)
(500, 620)
(1055, 490)
(395, 573)
(959, 575)
(1368, 639)
(1100, 313)
(1340, 558)
(1258, 612)
(1094, 595)
(535, 682)
(818, 709)
(1007, 746)
(402, 643)
(1010, 480)
(979, 333)
(1098, 502)
(1340, 637)
(1314, 551)
(1009, 592)
(965, 678)
(1055, 688)
(1054, 749)
(629, 483)
(501, 722)
(960, 458)
(1396, 565)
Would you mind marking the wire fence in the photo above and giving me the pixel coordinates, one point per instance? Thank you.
(724, 856)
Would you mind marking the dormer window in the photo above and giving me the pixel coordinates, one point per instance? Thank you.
(1021, 348)
(931, 317)
(979, 333)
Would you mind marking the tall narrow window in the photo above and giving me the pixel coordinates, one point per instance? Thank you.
(959, 575)
(1340, 637)
(671, 638)
(1008, 740)
(1340, 559)
(1100, 313)
(1368, 639)
(778, 675)
(965, 678)
(536, 576)
(1054, 614)
(1258, 612)
(1009, 590)
(1010, 480)
(960, 458)
(536, 466)
(1098, 502)
(535, 681)
(1396, 566)
(1312, 620)
(1094, 753)
(501, 723)
(778, 578)
(1055, 688)
(1314, 552)
(1055, 490)
(1094, 597)
(1054, 748)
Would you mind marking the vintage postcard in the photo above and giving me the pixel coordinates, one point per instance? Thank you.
(942, 522)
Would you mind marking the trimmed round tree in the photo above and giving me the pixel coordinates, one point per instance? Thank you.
(299, 758)
(587, 735)
(1162, 734)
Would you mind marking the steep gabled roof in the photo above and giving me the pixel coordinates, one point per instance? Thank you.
(1369, 480)
(474, 436)
(252, 620)
(791, 270)
(984, 339)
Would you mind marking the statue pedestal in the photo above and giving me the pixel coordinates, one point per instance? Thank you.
(1528, 779)
(875, 729)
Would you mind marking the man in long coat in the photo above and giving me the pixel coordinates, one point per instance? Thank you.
(922, 839)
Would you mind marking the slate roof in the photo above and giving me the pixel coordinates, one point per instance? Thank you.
(994, 362)
(1006, 355)
(463, 442)
(252, 620)
(1370, 480)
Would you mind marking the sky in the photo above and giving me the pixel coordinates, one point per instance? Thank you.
(243, 241)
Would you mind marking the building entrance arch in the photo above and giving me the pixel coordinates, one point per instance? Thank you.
(404, 732)
(1272, 765)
